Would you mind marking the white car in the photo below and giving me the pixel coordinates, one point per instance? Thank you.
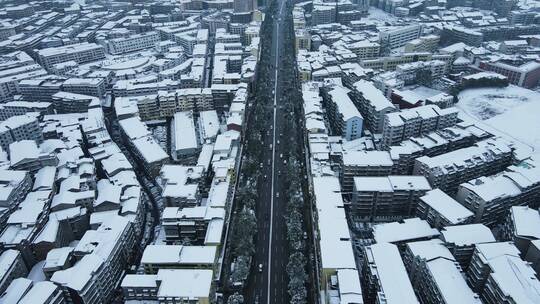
(260, 267)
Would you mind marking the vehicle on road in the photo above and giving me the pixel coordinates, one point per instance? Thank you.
(260, 267)
(277, 194)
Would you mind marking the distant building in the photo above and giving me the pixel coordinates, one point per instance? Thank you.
(86, 86)
(526, 75)
(133, 43)
(394, 37)
(80, 53)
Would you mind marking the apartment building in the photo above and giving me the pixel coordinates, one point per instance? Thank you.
(10, 77)
(87, 86)
(163, 287)
(102, 256)
(387, 198)
(40, 89)
(133, 43)
(344, 117)
(146, 148)
(384, 277)
(447, 171)
(462, 239)
(440, 210)
(185, 143)
(435, 143)
(525, 75)
(428, 43)
(490, 197)
(372, 105)
(435, 274)
(364, 163)
(402, 125)
(520, 227)
(202, 225)
(181, 185)
(365, 49)
(156, 257)
(16, 108)
(394, 37)
(15, 185)
(65, 102)
(13, 267)
(20, 127)
(499, 275)
(80, 53)
(323, 14)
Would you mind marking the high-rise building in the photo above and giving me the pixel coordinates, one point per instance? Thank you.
(244, 6)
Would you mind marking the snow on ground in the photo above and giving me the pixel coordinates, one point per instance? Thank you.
(485, 103)
(510, 112)
(522, 123)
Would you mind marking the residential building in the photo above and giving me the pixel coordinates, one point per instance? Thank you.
(80, 53)
(384, 277)
(133, 43)
(491, 197)
(184, 139)
(394, 37)
(156, 257)
(345, 118)
(462, 239)
(440, 210)
(402, 125)
(496, 268)
(435, 275)
(387, 198)
(13, 266)
(520, 227)
(449, 170)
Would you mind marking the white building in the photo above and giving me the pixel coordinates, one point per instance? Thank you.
(185, 141)
(398, 36)
(384, 277)
(133, 43)
(80, 53)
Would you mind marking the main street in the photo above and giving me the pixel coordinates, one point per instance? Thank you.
(270, 284)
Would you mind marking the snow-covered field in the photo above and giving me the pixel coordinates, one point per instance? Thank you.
(512, 112)
(485, 103)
